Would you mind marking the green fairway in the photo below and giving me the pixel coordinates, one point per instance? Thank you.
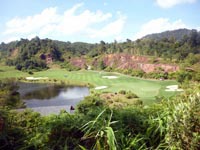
(9, 72)
(145, 89)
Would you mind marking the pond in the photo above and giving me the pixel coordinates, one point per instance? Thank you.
(51, 98)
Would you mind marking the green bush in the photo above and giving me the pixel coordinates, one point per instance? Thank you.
(30, 72)
(9, 97)
(130, 95)
(122, 92)
(19, 129)
(183, 124)
(109, 69)
(90, 103)
(69, 67)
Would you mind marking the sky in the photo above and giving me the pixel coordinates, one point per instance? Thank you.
(94, 20)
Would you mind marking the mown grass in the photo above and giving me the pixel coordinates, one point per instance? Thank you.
(145, 89)
(10, 72)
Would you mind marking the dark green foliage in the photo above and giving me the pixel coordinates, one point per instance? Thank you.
(108, 69)
(9, 97)
(32, 53)
(90, 103)
(175, 44)
(64, 131)
(69, 67)
(19, 129)
(131, 120)
(137, 73)
(184, 76)
(131, 95)
(197, 77)
(122, 92)
(172, 124)
(31, 64)
(102, 47)
(101, 65)
(93, 53)
(55, 53)
(183, 123)
(30, 72)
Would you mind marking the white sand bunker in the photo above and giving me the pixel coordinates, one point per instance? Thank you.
(100, 87)
(36, 78)
(173, 88)
(110, 77)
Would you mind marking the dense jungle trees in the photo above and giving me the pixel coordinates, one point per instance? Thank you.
(179, 45)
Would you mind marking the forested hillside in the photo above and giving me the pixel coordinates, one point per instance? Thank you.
(164, 52)
(37, 53)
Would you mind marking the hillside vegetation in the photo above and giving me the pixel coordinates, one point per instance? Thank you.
(173, 51)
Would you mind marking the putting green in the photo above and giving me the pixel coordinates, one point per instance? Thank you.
(145, 89)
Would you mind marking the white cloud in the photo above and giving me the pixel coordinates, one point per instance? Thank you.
(171, 3)
(49, 23)
(32, 23)
(113, 28)
(159, 25)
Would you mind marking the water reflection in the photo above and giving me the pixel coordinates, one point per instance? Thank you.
(38, 95)
(41, 94)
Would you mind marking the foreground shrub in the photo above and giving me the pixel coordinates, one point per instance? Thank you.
(172, 124)
(19, 129)
(90, 103)
(130, 95)
(183, 124)
(63, 132)
(9, 97)
(122, 92)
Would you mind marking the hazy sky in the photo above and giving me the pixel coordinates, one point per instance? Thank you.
(94, 20)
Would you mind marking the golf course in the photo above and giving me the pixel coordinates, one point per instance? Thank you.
(75, 77)
(101, 81)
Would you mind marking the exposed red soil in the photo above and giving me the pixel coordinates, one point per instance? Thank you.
(49, 59)
(126, 61)
(152, 67)
(78, 62)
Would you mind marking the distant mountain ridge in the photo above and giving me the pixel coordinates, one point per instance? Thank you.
(177, 34)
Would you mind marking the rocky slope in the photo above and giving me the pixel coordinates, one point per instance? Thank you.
(126, 61)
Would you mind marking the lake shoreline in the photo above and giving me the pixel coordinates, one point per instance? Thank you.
(37, 96)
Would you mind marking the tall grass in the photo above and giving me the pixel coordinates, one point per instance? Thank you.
(104, 136)
(183, 124)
